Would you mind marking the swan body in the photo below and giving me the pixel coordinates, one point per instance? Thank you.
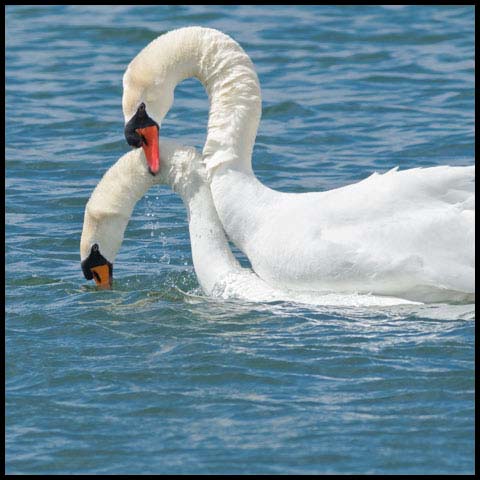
(407, 233)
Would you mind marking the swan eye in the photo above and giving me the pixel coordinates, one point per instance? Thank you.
(132, 137)
(131, 134)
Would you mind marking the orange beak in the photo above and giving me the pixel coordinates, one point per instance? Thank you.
(150, 147)
(101, 274)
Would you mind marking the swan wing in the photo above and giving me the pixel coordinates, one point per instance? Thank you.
(385, 234)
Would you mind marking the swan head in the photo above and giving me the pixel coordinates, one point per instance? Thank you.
(97, 267)
(148, 95)
(142, 131)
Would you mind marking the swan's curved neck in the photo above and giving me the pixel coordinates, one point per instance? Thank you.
(228, 76)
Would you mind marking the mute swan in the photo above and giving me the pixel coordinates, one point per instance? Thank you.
(110, 206)
(405, 233)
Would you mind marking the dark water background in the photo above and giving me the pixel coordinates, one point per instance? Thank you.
(153, 377)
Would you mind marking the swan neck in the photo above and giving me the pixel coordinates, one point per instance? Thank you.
(233, 88)
(211, 254)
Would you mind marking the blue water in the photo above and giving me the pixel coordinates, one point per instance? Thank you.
(153, 377)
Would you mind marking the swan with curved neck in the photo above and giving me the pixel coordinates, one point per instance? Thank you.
(399, 233)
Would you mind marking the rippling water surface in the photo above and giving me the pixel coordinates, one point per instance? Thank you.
(153, 377)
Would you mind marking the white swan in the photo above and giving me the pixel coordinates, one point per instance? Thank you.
(404, 233)
(111, 204)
